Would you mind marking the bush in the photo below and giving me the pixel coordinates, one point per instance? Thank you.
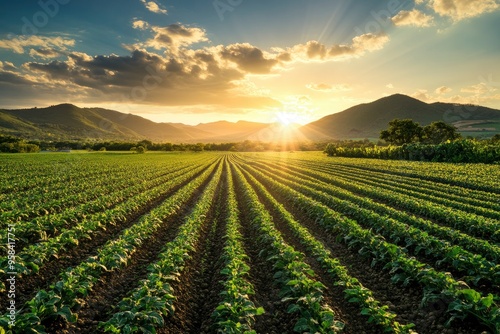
(459, 151)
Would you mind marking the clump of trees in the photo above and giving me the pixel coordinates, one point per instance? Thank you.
(9, 144)
(438, 141)
(406, 131)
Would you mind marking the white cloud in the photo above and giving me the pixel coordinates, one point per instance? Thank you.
(412, 18)
(7, 66)
(173, 37)
(19, 43)
(390, 86)
(422, 95)
(462, 9)
(167, 69)
(140, 24)
(443, 90)
(478, 94)
(323, 87)
(479, 89)
(153, 7)
(314, 50)
(44, 53)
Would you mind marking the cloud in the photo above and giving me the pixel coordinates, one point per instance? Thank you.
(173, 37)
(140, 24)
(443, 90)
(477, 94)
(322, 87)
(390, 86)
(7, 66)
(462, 9)
(194, 78)
(13, 79)
(314, 50)
(153, 7)
(248, 58)
(19, 43)
(412, 18)
(166, 69)
(479, 89)
(422, 95)
(44, 53)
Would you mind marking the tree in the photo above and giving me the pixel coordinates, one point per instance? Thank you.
(141, 149)
(402, 131)
(495, 139)
(197, 147)
(146, 143)
(439, 132)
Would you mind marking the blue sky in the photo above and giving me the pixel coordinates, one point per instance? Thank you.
(201, 61)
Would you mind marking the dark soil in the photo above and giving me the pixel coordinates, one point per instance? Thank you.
(199, 287)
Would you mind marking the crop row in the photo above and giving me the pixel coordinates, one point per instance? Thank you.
(354, 291)
(475, 266)
(486, 228)
(454, 193)
(465, 301)
(66, 294)
(464, 204)
(292, 275)
(236, 312)
(144, 308)
(323, 182)
(44, 227)
(33, 256)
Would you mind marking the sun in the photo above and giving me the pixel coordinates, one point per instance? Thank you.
(286, 119)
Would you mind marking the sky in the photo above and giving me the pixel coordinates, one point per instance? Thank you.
(292, 61)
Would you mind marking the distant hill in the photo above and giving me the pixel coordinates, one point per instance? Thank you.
(222, 131)
(368, 119)
(67, 121)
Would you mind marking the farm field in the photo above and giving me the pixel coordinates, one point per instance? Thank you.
(240, 242)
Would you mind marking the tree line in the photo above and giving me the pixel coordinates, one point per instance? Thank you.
(405, 139)
(11, 144)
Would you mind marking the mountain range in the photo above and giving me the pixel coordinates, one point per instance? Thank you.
(67, 121)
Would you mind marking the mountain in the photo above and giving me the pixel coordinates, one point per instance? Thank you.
(368, 119)
(67, 121)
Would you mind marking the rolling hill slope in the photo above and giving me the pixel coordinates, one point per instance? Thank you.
(368, 119)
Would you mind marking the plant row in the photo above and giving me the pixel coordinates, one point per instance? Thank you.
(464, 205)
(354, 291)
(488, 229)
(455, 193)
(236, 312)
(145, 307)
(32, 257)
(42, 228)
(67, 294)
(322, 182)
(477, 268)
(465, 302)
(294, 277)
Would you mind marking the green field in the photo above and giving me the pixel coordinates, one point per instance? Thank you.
(240, 242)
